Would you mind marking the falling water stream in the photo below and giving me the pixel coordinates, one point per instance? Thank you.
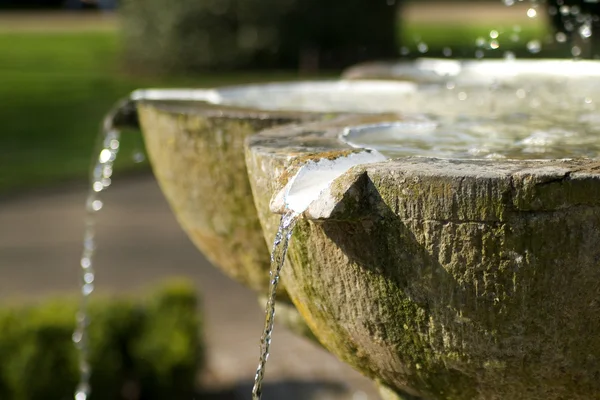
(280, 246)
(105, 155)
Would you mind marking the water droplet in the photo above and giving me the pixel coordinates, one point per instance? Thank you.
(508, 3)
(114, 144)
(462, 96)
(479, 54)
(480, 42)
(575, 10)
(585, 31)
(561, 37)
(404, 51)
(97, 205)
(494, 34)
(531, 13)
(588, 100)
(534, 46)
(86, 262)
(77, 336)
(564, 10)
(516, 28)
(104, 156)
(88, 277)
(450, 85)
(106, 182)
(515, 37)
(509, 55)
(447, 51)
(576, 51)
(82, 392)
(87, 289)
(568, 25)
(521, 93)
(98, 186)
(494, 44)
(138, 156)
(422, 47)
(107, 171)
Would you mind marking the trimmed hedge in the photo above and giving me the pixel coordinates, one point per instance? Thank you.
(191, 35)
(140, 349)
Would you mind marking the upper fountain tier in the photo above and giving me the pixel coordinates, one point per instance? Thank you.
(478, 72)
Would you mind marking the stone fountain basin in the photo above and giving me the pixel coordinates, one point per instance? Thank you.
(444, 279)
(196, 148)
(479, 72)
(195, 143)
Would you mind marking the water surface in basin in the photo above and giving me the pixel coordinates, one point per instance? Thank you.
(516, 136)
(532, 122)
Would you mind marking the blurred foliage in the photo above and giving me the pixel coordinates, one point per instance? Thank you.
(192, 35)
(139, 349)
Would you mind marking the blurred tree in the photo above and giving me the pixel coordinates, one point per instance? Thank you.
(189, 35)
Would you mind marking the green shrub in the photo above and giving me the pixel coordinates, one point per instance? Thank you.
(139, 349)
(189, 35)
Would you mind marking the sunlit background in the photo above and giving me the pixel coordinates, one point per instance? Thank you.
(63, 64)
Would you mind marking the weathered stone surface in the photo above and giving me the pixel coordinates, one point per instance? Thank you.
(449, 279)
(196, 152)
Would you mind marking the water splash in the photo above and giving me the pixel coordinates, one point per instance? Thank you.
(105, 154)
(280, 246)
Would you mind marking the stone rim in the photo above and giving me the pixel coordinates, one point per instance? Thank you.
(299, 143)
(432, 275)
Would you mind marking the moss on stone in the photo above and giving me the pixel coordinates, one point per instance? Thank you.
(455, 286)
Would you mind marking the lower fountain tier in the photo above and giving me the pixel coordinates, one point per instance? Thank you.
(445, 279)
